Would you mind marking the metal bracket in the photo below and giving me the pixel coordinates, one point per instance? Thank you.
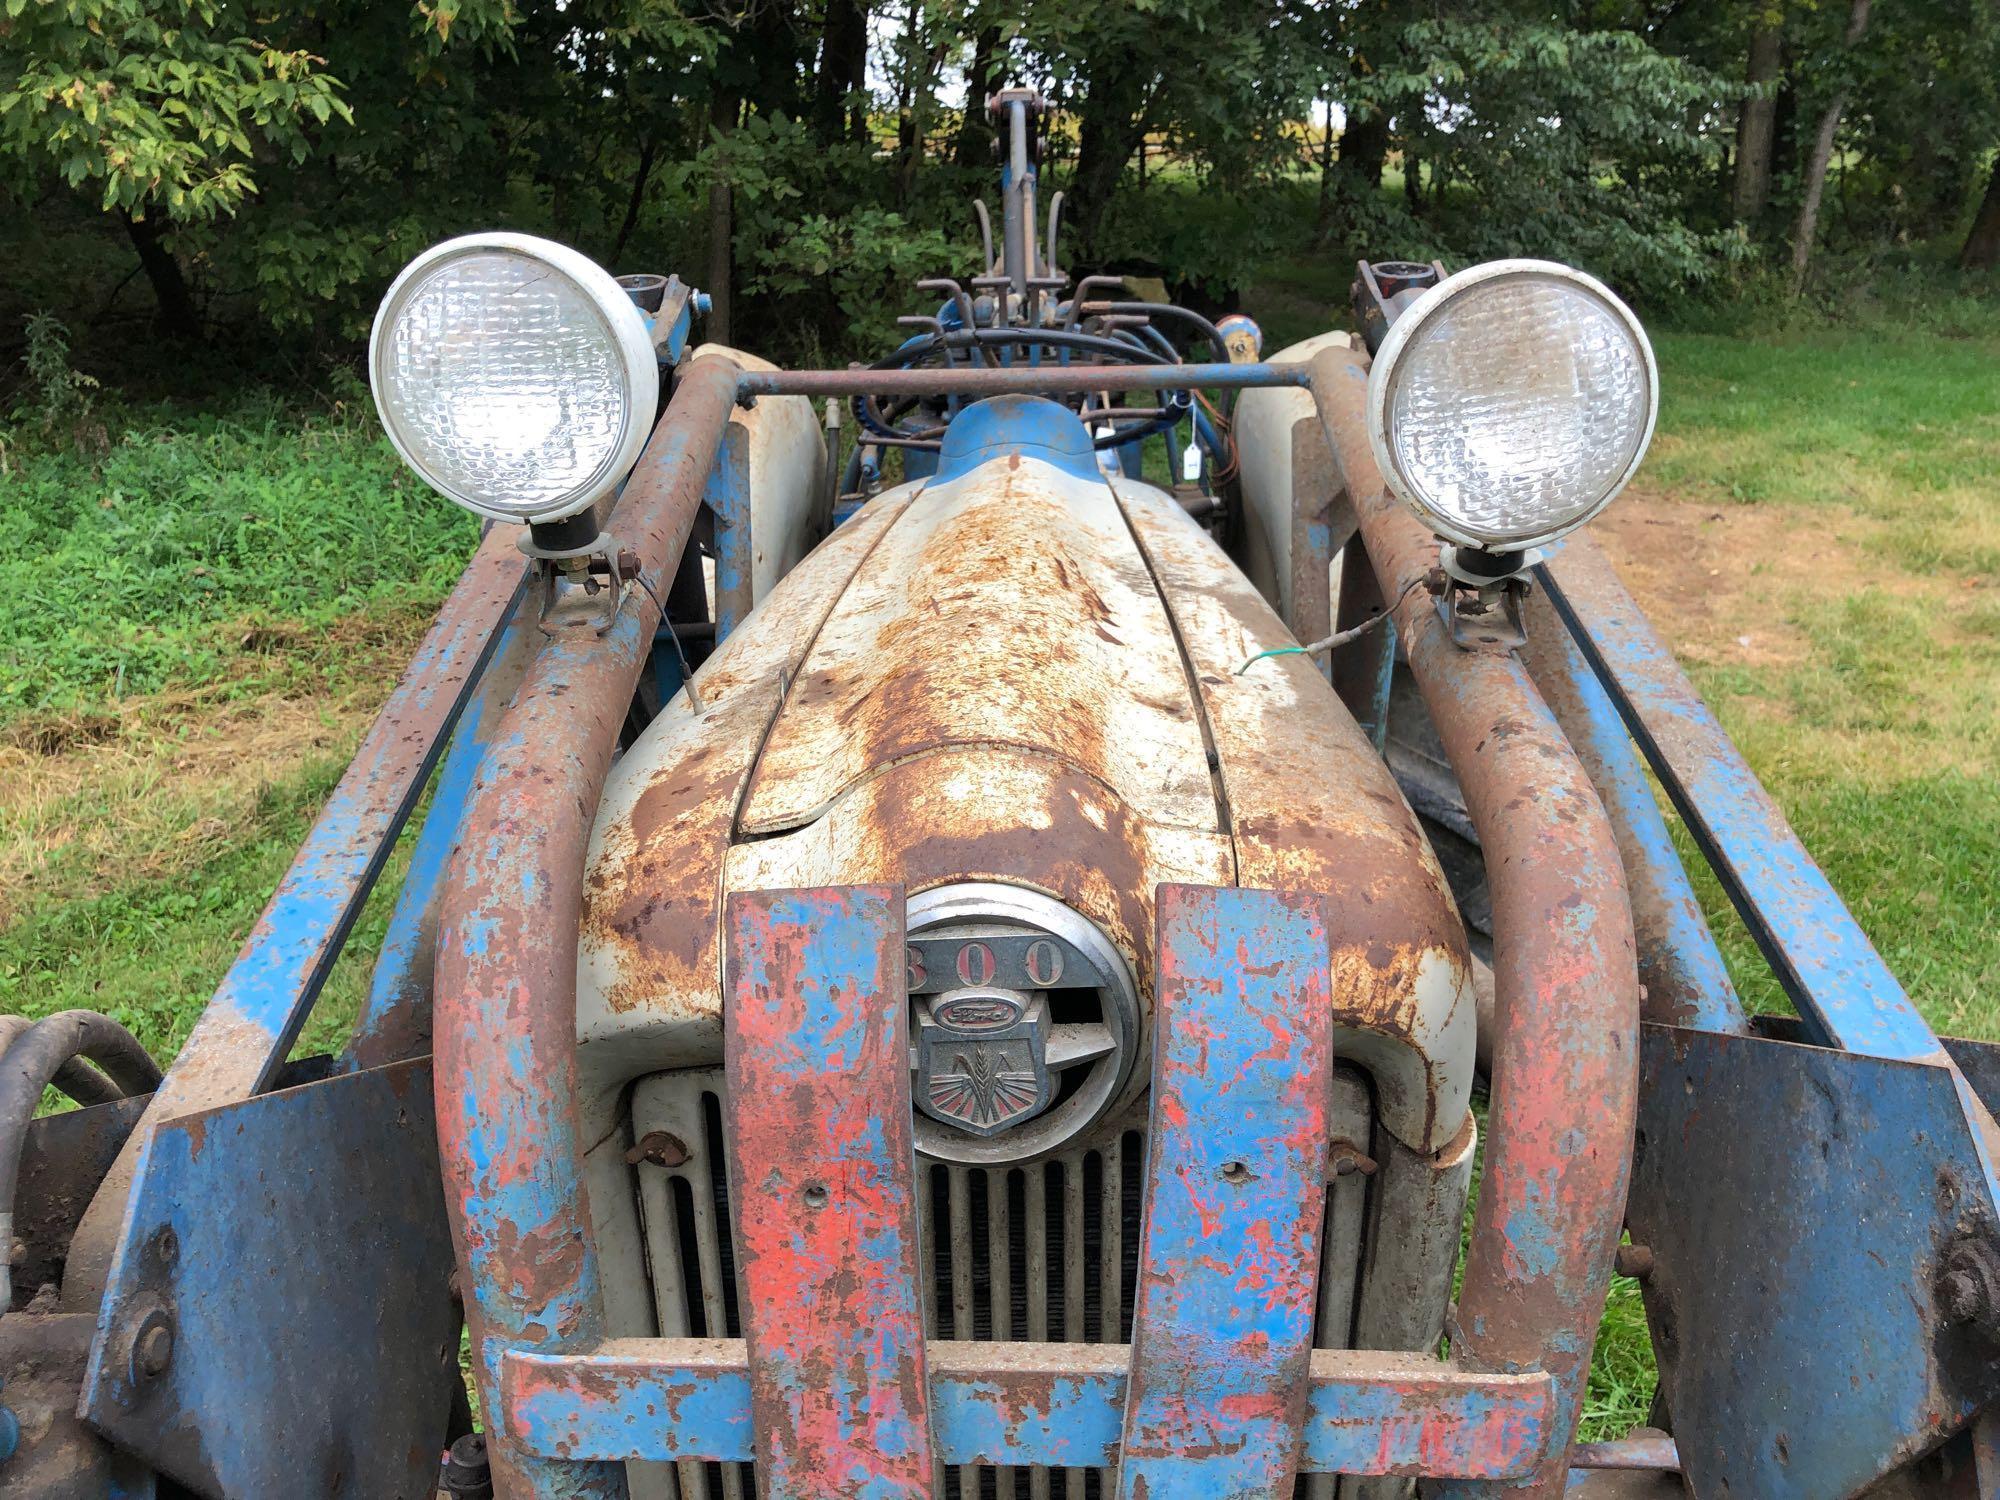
(1487, 618)
(1885, 1288)
(1384, 288)
(279, 1316)
(597, 565)
(670, 306)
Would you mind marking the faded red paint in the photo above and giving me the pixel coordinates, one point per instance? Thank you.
(1235, 1194)
(1656, 906)
(1011, 1404)
(823, 1181)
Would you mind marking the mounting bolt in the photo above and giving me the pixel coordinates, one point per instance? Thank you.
(661, 1148)
(1344, 1159)
(1968, 1284)
(153, 1349)
(467, 1475)
(1635, 1261)
(1959, 1292)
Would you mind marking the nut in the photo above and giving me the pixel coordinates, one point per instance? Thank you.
(1968, 1283)
(153, 1350)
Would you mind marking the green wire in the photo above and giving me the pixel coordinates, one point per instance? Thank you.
(1275, 651)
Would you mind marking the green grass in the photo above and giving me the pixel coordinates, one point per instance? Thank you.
(1903, 425)
(151, 557)
(216, 602)
(150, 952)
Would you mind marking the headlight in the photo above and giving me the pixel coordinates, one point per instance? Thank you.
(514, 375)
(1511, 402)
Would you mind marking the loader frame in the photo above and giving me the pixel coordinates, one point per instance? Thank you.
(1854, 1134)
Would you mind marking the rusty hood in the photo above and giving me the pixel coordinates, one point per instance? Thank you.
(1020, 672)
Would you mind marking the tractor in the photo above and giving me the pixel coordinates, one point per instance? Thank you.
(1078, 911)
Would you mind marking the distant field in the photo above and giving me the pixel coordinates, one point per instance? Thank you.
(221, 600)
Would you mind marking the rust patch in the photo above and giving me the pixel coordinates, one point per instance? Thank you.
(987, 813)
(652, 892)
(1009, 608)
(1312, 806)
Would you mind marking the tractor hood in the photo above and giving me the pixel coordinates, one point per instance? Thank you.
(1019, 674)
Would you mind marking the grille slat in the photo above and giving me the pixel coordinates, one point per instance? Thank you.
(1000, 1254)
(1111, 1240)
(1035, 1223)
(959, 1225)
(1074, 1299)
(712, 1227)
(1073, 1252)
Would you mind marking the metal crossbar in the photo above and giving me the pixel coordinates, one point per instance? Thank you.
(1019, 380)
(1021, 1404)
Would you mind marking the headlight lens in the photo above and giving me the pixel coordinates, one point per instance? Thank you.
(1512, 402)
(514, 375)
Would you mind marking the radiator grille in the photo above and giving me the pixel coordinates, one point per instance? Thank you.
(1046, 1251)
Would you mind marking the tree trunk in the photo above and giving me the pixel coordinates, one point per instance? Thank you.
(1807, 227)
(843, 57)
(178, 316)
(648, 153)
(859, 122)
(975, 134)
(776, 60)
(1326, 167)
(1413, 181)
(721, 228)
(910, 89)
(1982, 245)
(1364, 147)
(1755, 122)
(1110, 130)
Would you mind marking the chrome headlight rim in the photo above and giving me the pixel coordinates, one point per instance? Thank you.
(1414, 319)
(625, 330)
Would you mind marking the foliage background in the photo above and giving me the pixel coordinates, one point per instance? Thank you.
(265, 170)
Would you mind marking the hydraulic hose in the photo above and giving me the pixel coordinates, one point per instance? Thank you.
(31, 1063)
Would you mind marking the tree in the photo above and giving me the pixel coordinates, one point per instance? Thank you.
(167, 110)
(1547, 138)
(1122, 75)
(1982, 244)
(1807, 227)
(1756, 118)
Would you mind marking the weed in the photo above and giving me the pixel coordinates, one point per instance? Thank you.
(63, 394)
(160, 563)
